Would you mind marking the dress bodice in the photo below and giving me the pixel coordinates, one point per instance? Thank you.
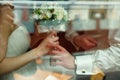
(19, 42)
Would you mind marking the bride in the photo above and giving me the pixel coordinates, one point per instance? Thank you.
(14, 42)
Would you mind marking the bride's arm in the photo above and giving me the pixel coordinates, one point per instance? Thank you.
(6, 19)
(13, 63)
(3, 43)
(10, 64)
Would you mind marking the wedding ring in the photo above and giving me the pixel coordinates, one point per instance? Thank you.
(52, 60)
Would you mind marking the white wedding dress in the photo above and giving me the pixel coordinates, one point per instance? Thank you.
(18, 44)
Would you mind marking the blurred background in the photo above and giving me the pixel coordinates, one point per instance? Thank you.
(91, 17)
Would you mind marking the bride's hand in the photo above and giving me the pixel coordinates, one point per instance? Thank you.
(6, 18)
(47, 44)
(6, 14)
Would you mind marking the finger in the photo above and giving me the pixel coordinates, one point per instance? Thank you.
(7, 23)
(57, 63)
(52, 44)
(57, 42)
(9, 18)
(53, 33)
(89, 44)
(5, 9)
(92, 40)
(60, 48)
(56, 52)
(53, 39)
(9, 5)
(56, 57)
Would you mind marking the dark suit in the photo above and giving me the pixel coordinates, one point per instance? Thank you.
(113, 76)
(108, 76)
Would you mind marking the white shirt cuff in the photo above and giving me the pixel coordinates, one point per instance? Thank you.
(84, 65)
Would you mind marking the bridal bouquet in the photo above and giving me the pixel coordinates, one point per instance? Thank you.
(50, 12)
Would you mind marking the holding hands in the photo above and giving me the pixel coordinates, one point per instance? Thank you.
(47, 44)
(51, 45)
(63, 57)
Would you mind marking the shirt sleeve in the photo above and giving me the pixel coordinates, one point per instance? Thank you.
(107, 60)
(84, 65)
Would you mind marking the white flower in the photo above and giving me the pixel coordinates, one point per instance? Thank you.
(50, 12)
(35, 16)
(59, 13)
(40, 17)
(65, 15)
